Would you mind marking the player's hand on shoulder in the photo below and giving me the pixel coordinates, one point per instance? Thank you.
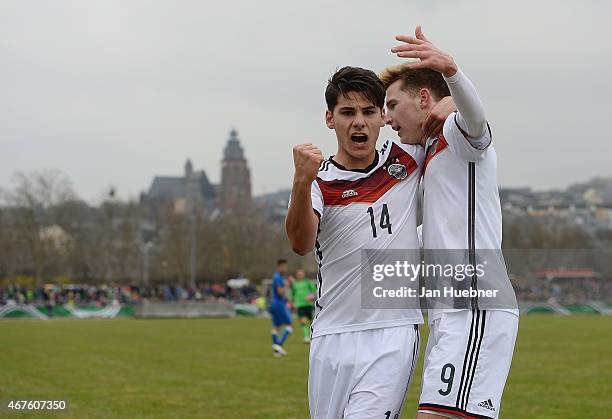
(307, 159)
(432, 127)
(429, 56)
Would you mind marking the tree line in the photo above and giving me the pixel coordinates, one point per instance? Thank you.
(49, 234)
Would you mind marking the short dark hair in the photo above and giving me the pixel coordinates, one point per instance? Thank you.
(280, 262)
(416, 79)
(354, 79)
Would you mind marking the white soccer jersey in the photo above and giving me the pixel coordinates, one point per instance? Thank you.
(374, 208)
(460, 187)
(461, 207)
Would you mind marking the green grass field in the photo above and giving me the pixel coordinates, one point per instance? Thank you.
(223, 368)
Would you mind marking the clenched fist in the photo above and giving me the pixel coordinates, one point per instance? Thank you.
(307, 158)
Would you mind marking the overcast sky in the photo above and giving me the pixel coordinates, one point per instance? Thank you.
(115, 92)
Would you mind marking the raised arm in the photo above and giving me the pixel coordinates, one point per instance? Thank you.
(302, 221)
(471, 116)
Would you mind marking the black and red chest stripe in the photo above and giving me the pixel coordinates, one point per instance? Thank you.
(369, 189)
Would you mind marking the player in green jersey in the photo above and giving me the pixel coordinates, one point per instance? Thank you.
(303, 292)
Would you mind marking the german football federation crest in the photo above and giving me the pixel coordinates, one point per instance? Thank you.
(398, 171)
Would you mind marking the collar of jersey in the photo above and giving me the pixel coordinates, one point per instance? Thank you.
(365, 170)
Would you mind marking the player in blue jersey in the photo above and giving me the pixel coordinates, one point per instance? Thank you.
(279, 310)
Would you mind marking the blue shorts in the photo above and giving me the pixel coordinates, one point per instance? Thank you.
(280, 313)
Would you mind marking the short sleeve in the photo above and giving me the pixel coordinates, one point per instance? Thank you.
(313, 287)
(317, 198)
(469, 149)
(278, 282)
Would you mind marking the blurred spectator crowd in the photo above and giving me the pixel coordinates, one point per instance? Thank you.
(102, 295)
(534, 290)
(574, 291)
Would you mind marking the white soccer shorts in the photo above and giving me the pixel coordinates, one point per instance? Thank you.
(363, 374)
(467, 361)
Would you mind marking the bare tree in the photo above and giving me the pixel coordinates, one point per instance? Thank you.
(175, 246)
(35, 209)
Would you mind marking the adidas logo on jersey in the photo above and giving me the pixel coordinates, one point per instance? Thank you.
(398, 171)
(487, 404)
(348, 193)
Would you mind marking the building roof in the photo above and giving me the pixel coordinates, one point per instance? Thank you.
(233, 149)
(173, 187)
(167, 187)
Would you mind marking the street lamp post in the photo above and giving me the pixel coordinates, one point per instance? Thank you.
(193, 248)
(145, 250)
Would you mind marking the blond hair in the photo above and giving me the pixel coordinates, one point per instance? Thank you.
(414, 79)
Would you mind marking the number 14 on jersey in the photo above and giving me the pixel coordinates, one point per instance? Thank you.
(385, 223)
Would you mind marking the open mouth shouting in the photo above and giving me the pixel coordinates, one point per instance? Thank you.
(359, 137)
